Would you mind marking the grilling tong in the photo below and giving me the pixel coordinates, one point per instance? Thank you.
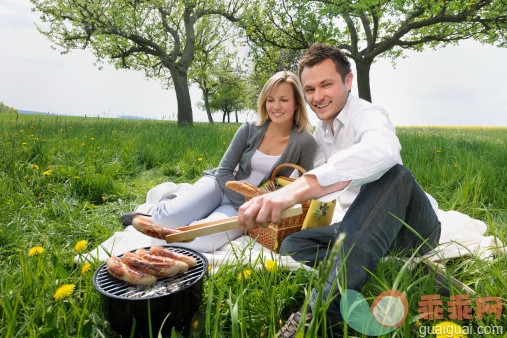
(190, 232)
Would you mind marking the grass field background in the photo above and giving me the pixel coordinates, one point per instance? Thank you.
(67, 179)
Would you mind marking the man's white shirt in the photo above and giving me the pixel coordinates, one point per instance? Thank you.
(360, 146)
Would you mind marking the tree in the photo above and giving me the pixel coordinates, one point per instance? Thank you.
(369, 29)
(156, 36)
(229, 95)
(212, 58)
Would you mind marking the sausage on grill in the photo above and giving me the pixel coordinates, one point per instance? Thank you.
(152, 268)
(120, 270)
(161, 251)
(143, 253)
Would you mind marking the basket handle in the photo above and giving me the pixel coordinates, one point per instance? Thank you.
(283, 165)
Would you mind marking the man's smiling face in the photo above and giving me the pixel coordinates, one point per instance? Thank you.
(324, 89)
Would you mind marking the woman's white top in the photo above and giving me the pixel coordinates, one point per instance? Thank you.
(261, 165)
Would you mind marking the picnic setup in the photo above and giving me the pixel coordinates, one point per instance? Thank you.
(181, 291)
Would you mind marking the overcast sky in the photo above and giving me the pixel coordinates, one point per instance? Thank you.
(461, 85)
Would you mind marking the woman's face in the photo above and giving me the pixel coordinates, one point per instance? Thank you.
(281, 103)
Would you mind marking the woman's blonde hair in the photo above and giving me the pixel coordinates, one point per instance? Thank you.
(300, 116)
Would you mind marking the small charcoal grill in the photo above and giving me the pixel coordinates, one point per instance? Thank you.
(178, 296)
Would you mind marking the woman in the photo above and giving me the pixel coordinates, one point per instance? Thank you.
(280, 136)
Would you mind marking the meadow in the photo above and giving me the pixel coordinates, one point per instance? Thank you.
(65, 181)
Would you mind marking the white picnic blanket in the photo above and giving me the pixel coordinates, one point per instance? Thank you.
(461, 236)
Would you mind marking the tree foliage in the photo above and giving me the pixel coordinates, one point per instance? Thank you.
(159, 37)
(219, 52)
(6, 109)
(230, 93)
(369, 29)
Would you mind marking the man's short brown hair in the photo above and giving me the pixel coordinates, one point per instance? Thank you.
(319, 52)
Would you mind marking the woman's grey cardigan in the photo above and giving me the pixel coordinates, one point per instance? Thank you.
(235, 164)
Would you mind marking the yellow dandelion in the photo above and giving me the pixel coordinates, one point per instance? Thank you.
(47, 172)
(195, 324)
(448, 329)
(64, 291)
(455, 165)
(209, 268)
(21, 131)
(244, 275)
(438, 151)
(92, 139)
(224, 143)
(80, 246)
(199, 159)
(103, 198)
(35, 251)
(87, 267)
(269, 264)
(76, 176)
(83, 144)
(34, 167)
(23, 144)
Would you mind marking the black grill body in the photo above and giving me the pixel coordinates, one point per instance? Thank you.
(177, 298)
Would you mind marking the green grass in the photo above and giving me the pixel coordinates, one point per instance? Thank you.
(66, 179)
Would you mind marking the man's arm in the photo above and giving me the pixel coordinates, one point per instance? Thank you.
(267, 208)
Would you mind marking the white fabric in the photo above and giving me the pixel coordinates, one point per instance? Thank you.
(260, 165)
(361, 146)
(461, 236)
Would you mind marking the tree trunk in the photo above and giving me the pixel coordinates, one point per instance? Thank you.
(180, 80)
(228, 117)
(223, 118)
(236, 112)
(206, 104)
(363, 79)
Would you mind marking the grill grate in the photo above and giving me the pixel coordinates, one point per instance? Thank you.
(110, 286)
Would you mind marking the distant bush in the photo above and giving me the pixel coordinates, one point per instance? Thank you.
(7, 109)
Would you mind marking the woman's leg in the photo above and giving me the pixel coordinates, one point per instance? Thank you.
(190, 205)
(215, 241)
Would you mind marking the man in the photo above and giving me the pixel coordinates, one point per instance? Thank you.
(359, 163)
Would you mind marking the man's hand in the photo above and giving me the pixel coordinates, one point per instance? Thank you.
(264, 209)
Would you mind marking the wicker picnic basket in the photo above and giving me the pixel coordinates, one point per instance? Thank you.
(272, 236)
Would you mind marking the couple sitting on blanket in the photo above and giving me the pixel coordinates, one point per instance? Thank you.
(353, 156)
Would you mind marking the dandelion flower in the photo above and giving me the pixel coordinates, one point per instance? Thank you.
(80, 246)
(195, 324)
(244, 275)
(93, 138)
(83, 144)
(76, 176)
(269, 264)
(448, 329)
(34, 167)
(47, 172)
(23, 144)
(438, 151)
(64, 291)
(87, 267)
(35, 251)
(199, 159)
